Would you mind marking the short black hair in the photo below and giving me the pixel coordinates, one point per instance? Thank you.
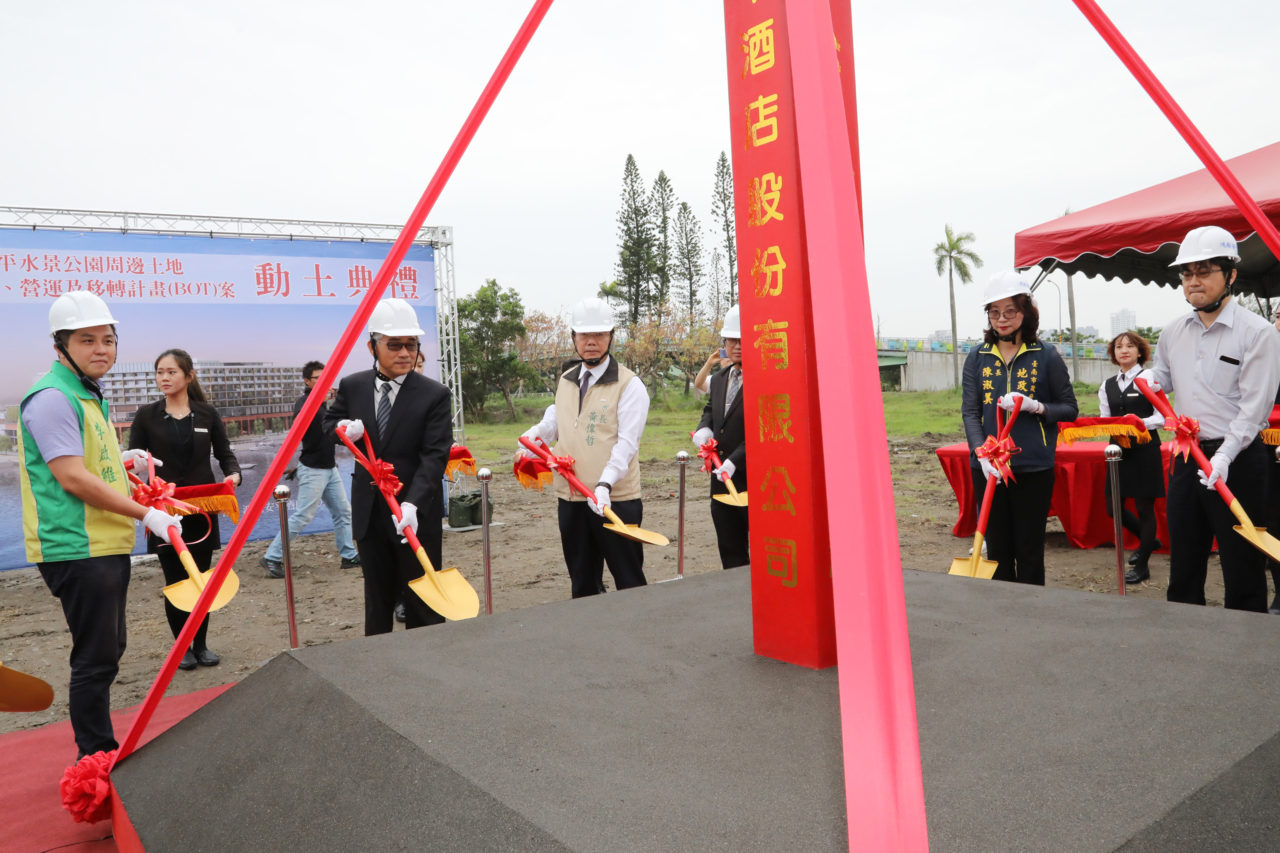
(311, 367)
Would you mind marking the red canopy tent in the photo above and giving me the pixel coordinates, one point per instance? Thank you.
(1135, 237)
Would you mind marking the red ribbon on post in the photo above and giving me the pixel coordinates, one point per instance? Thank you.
(339, 355)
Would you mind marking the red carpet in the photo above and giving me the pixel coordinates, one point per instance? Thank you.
(32, 819)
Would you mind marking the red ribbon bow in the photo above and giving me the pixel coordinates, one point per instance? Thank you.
(709, 456)
(997, 451)
(384, 476)
(1185, 429)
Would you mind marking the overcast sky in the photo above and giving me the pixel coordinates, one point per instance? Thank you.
(993, 116)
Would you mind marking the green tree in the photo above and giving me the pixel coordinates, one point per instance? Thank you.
(722, 213)
(490, 325)
(716, 303)
(662, 201)
(688, 263)
(635, 242)
(1151, 333)
(954, 255)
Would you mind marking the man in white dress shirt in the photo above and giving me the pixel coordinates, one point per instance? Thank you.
(1223, 363)
(597, 418)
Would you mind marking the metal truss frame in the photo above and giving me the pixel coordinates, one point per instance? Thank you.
(440, 238)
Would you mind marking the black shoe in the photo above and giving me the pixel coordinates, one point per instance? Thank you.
(274, 569)
(1139, 554)
(1133, 558)
(400, 612)
(188, 660)
(204, 657)
(1137, 575)
(353, 563)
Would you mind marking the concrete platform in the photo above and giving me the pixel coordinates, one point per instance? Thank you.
(641, 721)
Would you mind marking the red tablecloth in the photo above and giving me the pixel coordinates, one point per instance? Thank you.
(1079, 474)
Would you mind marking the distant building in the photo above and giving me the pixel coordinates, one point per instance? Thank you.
(238, 390)
(1122, 321)
(942, 336)
(1083, 332)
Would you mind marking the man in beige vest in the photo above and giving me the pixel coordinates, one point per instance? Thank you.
(597, 418)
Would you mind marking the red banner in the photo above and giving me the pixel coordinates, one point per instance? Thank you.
(790, 556)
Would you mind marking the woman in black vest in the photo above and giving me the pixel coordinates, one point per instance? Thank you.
(1141, 469)
(182, 429)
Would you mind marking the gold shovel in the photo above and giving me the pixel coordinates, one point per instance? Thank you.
(735, 497)
(975, 566)
(22, 692)
(184, 594)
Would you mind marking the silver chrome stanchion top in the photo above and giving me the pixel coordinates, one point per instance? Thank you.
(682, 457)
(484, 475)
(1112, 455)
(281, 494)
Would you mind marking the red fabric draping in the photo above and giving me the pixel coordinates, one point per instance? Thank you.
(1079, 474)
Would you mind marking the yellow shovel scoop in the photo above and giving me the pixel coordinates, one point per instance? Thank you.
(22, 692)
(184, 594)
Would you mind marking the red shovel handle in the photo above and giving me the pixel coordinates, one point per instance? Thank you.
(394, 504)
(1161, 402)
(542, 452)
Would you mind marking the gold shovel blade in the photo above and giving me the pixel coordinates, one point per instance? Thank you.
(965, 567)
(638, 533)
(447, 593)
(735, 499)
(184, 594)
(22, 692)
(1262, 540)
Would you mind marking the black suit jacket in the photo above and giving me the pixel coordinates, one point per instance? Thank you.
(419, 435)
(730, 432)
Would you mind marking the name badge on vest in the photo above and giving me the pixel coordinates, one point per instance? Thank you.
(199, 429)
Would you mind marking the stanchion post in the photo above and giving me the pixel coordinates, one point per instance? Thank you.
(281, 494)
(683, 458)
(1113, 454)
(484, 475)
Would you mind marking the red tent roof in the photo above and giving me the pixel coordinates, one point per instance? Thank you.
(1135, 237)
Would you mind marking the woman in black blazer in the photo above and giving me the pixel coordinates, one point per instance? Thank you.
(181, 430)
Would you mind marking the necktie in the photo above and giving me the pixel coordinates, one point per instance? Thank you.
(735, 382)
(384, 410)
(582, 392)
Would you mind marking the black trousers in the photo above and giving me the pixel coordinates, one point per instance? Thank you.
(1197, 515)
(1015, 528)
(174, 572)
(389, 564)
(731, 534)
(588, 546)
(93, 593)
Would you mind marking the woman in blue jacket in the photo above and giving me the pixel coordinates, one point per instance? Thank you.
(1011, 363)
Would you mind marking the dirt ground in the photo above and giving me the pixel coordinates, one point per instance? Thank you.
(527, 570)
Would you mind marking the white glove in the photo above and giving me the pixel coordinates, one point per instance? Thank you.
(725, 471)
(139, 460)
(1030, 406)
(1153, 383)
(988, 470)
(1218, 465)
(1156, 421)
(702, 436)
(532, 434)
(355, 429)
(602, 500)
(158, 522)
(408, 518)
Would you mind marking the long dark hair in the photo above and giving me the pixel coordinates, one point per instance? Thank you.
(1030, 320)
(188, 368)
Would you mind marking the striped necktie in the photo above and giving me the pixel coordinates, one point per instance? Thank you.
(384, 410)
(735, 382)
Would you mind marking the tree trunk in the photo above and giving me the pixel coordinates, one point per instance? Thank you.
(955, 342)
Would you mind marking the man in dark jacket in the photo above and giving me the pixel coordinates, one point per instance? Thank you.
(409, 421)
(318, 480)
(723, 420)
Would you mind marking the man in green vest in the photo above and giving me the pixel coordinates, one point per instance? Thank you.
(597, 418)
(77, 514)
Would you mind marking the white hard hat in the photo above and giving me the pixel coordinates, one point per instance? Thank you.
(1003, 285)
(394, 318)
(1205, 242)
(591, 315)
(732, 327)
(78, 309)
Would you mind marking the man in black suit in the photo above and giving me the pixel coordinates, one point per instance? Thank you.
(409, 421)
(723, 420)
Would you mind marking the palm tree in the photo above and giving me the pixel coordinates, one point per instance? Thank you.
(954, 255)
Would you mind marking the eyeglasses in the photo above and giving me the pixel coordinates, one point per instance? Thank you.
(396, 346)
(1202, 274)
(1007, 314)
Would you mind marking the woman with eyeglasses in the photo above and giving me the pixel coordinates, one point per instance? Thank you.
(1141, 469)
(1012, 363)
(183, 429)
